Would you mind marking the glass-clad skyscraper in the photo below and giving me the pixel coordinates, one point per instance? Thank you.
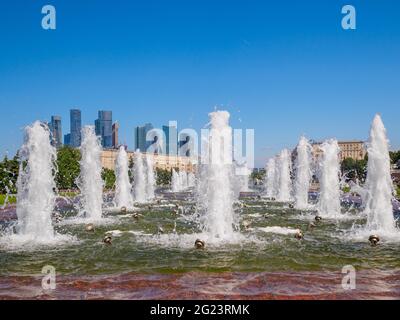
(103, 127)
(76, 127)
(140, 137)
(56, 131)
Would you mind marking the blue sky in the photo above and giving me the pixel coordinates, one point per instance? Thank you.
(283, 68)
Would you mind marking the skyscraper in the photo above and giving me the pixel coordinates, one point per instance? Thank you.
(103, 126)
(140, 137)
(171, 138)
(76, 127)
(56, 131)
(115, 129)
(67, 139)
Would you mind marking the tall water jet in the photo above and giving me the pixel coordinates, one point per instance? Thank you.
(329, 199)
(123, 191)
(151, 180)
(36, 198)
(285, 183)
(303, 174)
(191, 180)
(379, 185)
(270, 179)
(139, 186)
(90, 182)
(216, 180)
(183, 183)
(175, 181)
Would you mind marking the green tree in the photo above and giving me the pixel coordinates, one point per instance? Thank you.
(354, 169)
(394, 156)
(9, 170)
(108, 178)
(164, 177)
(68, 167)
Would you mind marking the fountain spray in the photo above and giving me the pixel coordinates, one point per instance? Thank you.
(329, 199)
(270, 179)
(139, 186)
(90, 182)
(379, 185)
(36, 198)
(303, 174)
(285, 184)
(216, 193)
(123, 192)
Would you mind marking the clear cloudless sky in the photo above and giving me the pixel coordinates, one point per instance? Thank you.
(284, 68)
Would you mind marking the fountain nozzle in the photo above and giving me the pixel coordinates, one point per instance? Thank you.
(107, 240)
(374, 239)
(199, 244)
(89, 227)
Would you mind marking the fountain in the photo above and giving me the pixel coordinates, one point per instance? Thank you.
(36, 198)
(180, 181)
(175, 182)
(191, 180)
(183, 182)
(90, 181)
(139, 186)
(303, 174)
(270, 179)
(123, 192)
(216, 194)
(379, 185)
(285, 183)
(151, 180)
(329, 199)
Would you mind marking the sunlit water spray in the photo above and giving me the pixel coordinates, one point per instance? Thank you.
(329, 199)
(285, 183)
(303, 174)
(151, 179)
(90, 182)
(270, 184)
(216, 181)
(123, 192)
(379, 185)
(36, 191)
(36, 198)
(140, 178)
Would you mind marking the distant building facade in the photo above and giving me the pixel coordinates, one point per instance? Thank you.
(115, 131)
(140, 137)
(75, 136)
(103, 128)
(55, 127)
(160, 161)
(348, 149)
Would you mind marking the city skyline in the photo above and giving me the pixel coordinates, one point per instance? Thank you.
(285, 70)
